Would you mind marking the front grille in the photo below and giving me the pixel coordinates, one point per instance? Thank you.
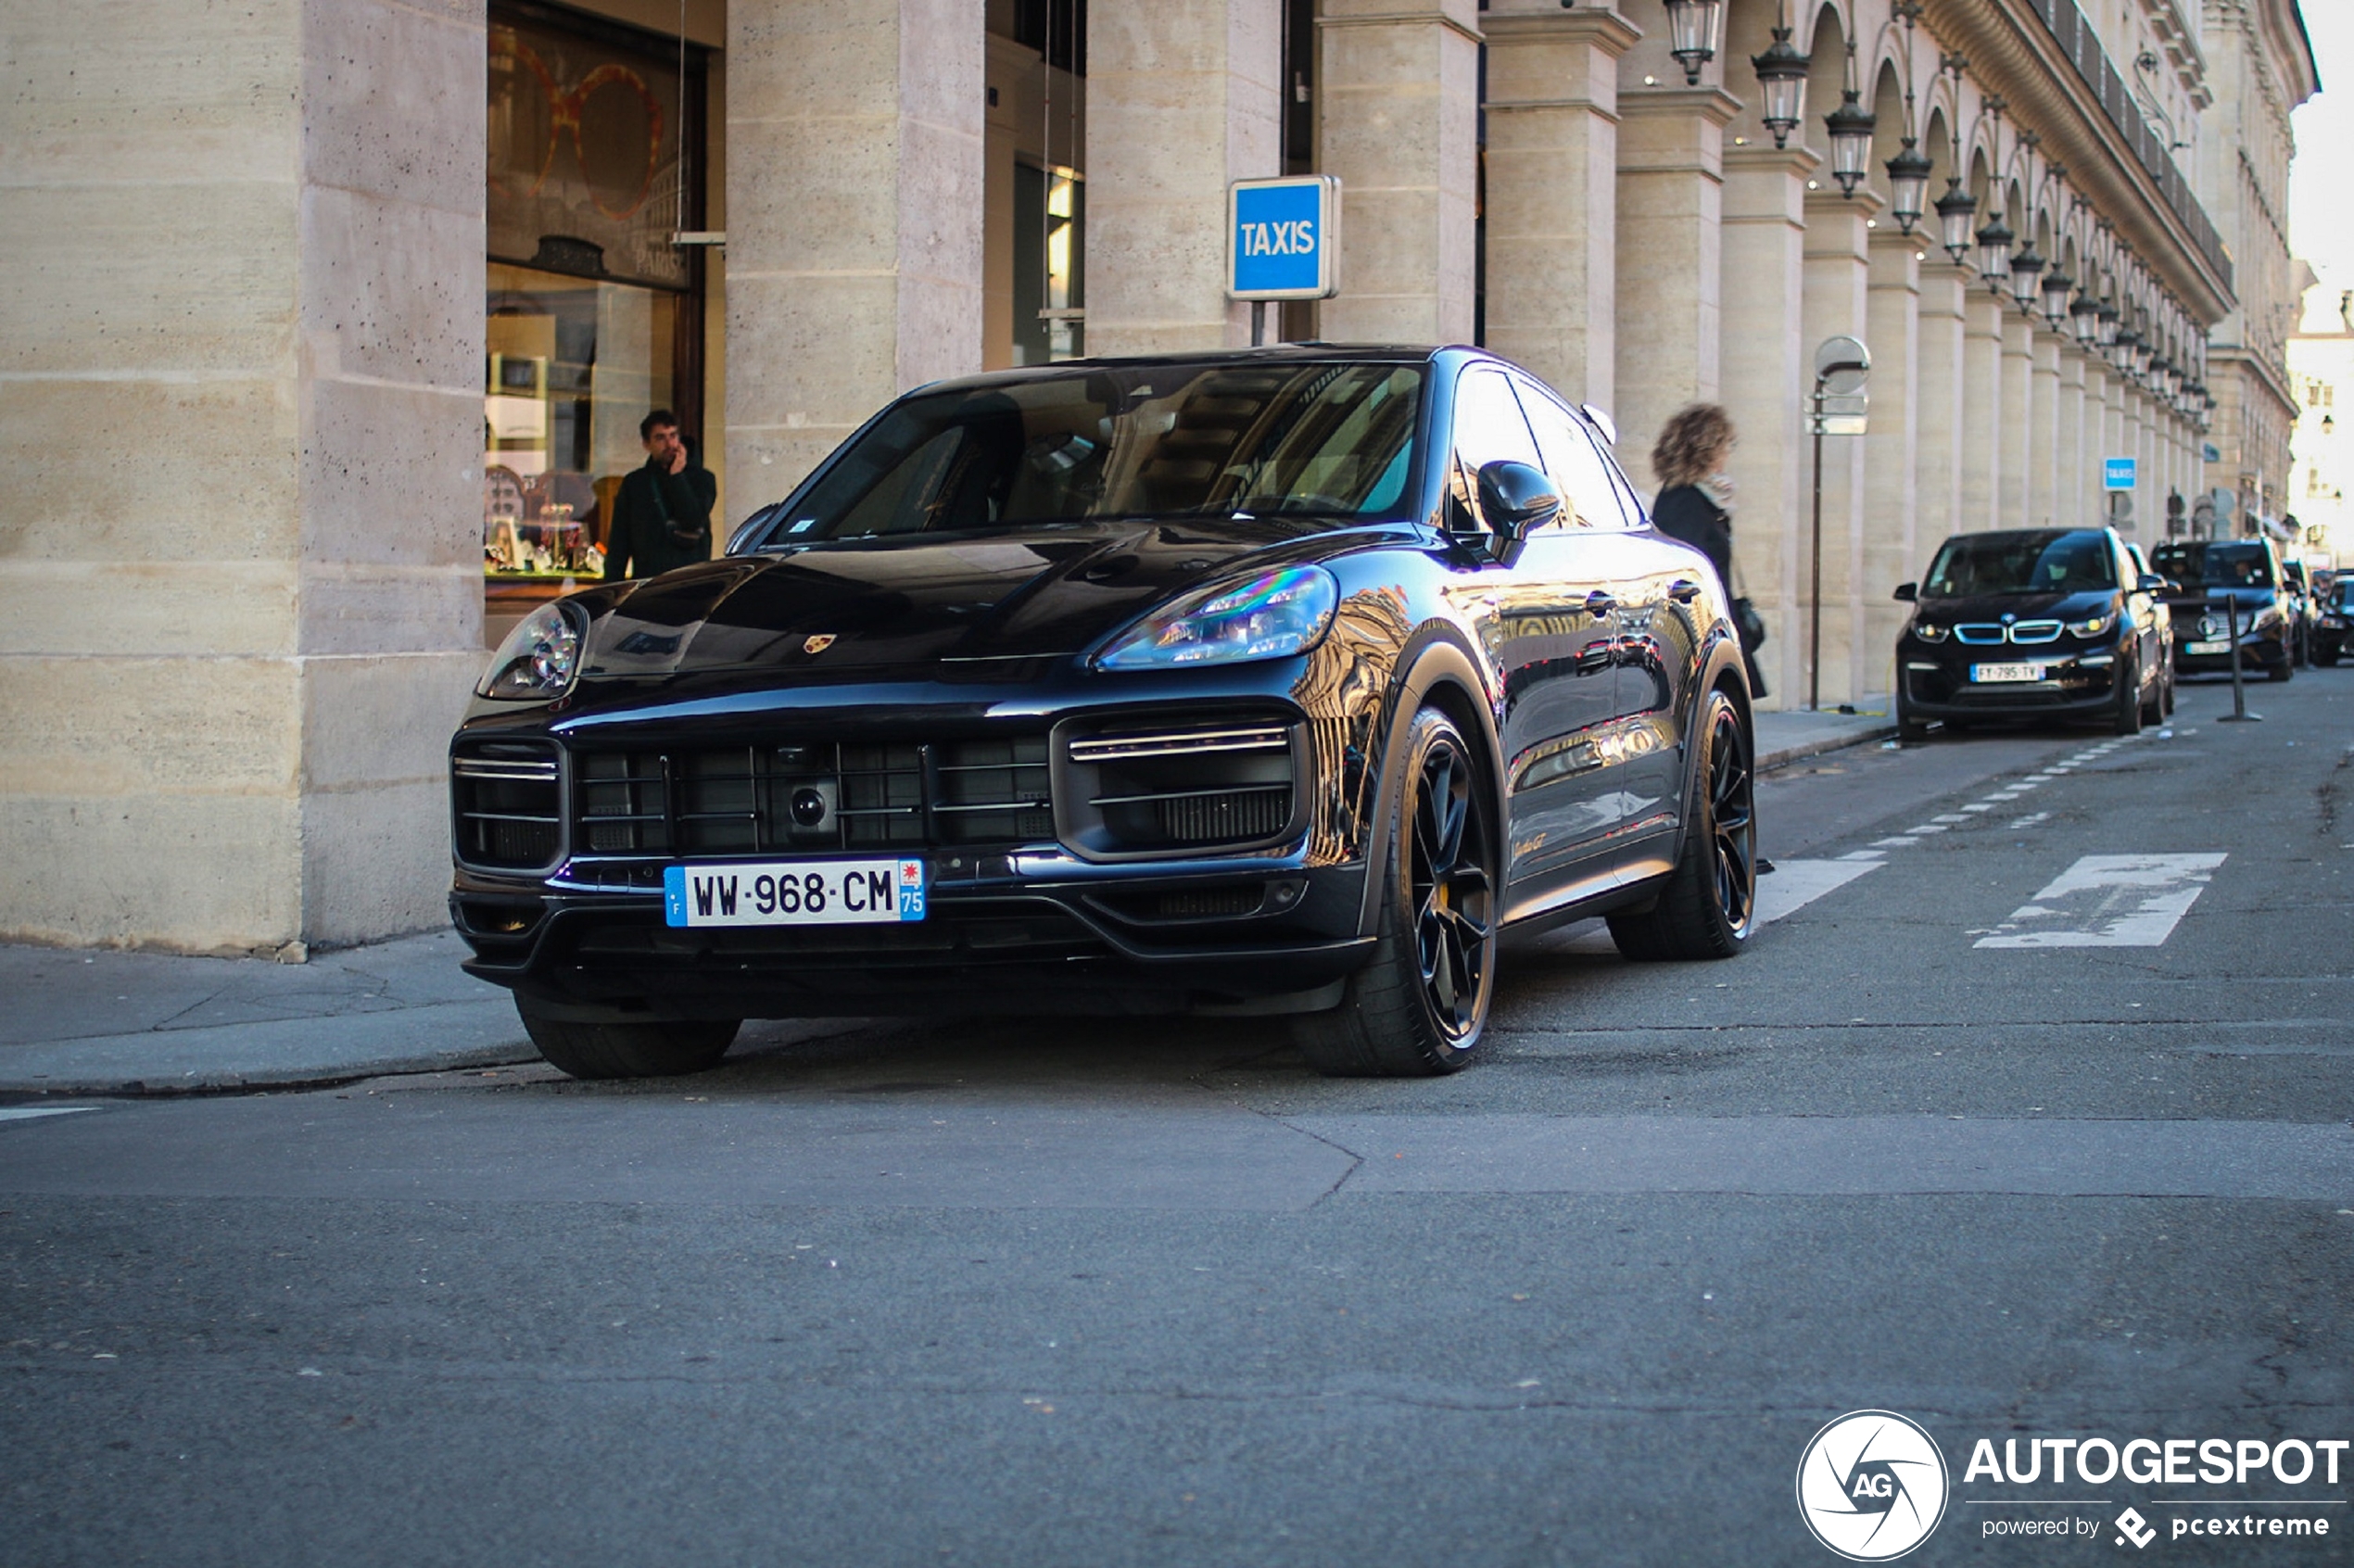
(1145, 789)
(505, 804)
(2035, 631)
(1979, 632)
(749, 800)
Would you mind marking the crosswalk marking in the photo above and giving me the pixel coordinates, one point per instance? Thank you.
(26, 1113)
(2109, 901)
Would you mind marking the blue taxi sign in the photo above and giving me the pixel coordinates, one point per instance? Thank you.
(2117, 474)
(1283, 238)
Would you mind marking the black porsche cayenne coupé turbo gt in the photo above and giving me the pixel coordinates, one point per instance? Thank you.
(1277, 681)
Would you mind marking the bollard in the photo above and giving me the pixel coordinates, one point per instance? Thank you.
(2239, 714)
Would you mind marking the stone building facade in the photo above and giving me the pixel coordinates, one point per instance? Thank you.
(323, 360)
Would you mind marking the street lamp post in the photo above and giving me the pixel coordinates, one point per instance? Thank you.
(1695, 31)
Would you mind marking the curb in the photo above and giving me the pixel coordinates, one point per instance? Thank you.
(280, 1054)
(1804, 748)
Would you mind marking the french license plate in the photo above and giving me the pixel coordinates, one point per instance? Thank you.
(794, 893)
(2221, 645)
(2005, 672)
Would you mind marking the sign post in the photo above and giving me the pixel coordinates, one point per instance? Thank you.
(1283, 242)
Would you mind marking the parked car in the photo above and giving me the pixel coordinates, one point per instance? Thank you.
(2033, 622)
(2212, 576)
(2331, 627)
(1278, 681)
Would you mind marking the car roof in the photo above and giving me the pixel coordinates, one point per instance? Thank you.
(1276, 353)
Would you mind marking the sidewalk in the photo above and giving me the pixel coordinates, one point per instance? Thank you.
(1786, 736)
(81, 1023)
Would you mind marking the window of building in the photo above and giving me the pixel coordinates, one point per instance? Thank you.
(594, 313)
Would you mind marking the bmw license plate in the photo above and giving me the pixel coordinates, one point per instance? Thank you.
(2005, 672)
(2221, 645)
(794, 893)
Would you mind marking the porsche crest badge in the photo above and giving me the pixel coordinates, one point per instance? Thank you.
(818, 643)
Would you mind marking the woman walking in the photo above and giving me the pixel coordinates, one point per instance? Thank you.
(1695, 505)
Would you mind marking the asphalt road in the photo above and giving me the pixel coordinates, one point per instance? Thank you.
(2014, 1142)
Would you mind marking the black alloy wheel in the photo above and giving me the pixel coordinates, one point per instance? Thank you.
(1421, 1005)
(1708, 906)
(2128, 717)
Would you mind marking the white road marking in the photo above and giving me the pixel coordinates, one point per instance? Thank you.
(1897, 843)
(1876, 856)
(1978, 805)
(1797, 883)
(26, 1113)
(1930, 827)
(2110, 901)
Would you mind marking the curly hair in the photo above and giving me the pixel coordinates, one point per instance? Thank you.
(1689, 445)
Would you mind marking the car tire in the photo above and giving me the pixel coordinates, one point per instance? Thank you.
(1709, 904)
(654, 1049)
(1910, 728)
(2284, 670)
(2166, 703)
(2326, 659)
(2154, 705)
(2128, 718)
(1420, 1007)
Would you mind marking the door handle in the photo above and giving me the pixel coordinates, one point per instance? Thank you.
(1600, 603)
(1683, 591)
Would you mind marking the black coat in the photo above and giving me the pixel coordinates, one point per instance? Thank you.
(653, 508)
(1685, 512)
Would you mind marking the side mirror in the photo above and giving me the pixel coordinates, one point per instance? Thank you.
(752, 527)
(1910, 593)
(1516, 500)
(2152, 583)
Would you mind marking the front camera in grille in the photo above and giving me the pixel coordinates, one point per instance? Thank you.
(505, 804)
(1179, 787)
(749, 800)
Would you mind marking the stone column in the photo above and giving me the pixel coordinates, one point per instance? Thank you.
(1981, 460)
(1182, 98)
(1939, 451)
(1838, 277)
(2071, 509)
(2129, 444)
(1892, 467)
(855, 166)
(1552, 152)
(1399, 91)
(2015, 422)
(240, 589)
(1670, 200)
(1765, 375)
(2044, 432)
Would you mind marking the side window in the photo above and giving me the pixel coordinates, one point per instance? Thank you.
(1488, 428)
(1590, 497)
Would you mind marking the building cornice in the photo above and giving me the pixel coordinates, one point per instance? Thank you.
(2011, 49)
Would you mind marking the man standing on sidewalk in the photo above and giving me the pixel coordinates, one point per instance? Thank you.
(661, 513)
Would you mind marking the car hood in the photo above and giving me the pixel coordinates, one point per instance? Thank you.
(2018, 606)
(864, 605)
(2194, 597)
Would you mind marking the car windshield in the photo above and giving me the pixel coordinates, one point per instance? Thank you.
(2045, 561)
(2215, 565)
(1332, 440)
(2344, 591)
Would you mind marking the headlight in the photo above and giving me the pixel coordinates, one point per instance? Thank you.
(539, 660)
(1928, 633)
(1272, 615)
(2096, 626)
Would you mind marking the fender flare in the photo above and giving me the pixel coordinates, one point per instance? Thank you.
(1434, 661)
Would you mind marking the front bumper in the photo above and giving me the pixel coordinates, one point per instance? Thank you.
(1143, 939)
(1936, 682)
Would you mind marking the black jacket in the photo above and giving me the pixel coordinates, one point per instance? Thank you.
(1687, 514)
(651, 512)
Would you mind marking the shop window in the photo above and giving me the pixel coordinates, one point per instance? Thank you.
(593, 314)
(1050, 221)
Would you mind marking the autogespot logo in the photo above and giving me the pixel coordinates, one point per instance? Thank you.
(1872, 1486)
